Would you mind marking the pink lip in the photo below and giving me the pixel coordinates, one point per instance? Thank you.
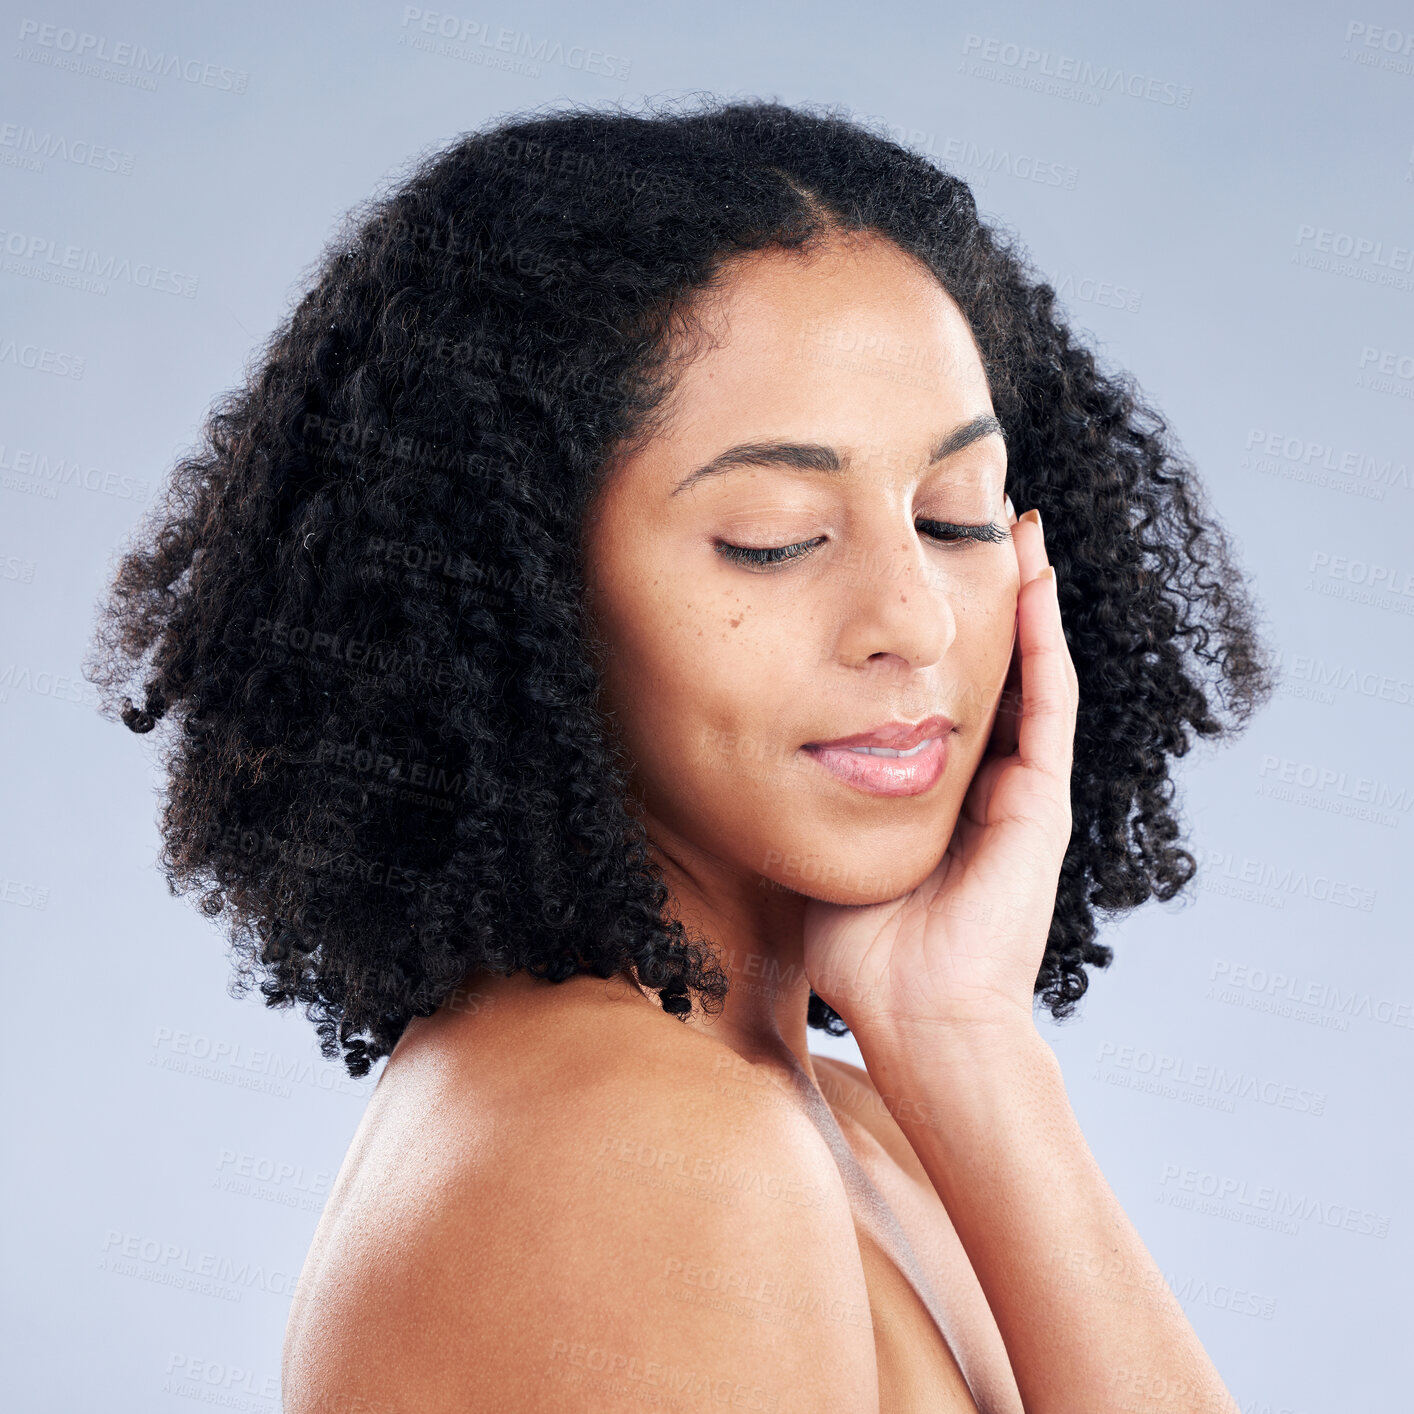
(884, 775)
(901, 736)
(888, 775)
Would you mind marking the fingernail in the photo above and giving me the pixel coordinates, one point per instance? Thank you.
(1010, 512)
(1048, 573)
(1033, 515)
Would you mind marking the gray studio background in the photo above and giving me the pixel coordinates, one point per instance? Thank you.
(1222, 195)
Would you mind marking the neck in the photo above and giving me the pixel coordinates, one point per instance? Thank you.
(756, 929)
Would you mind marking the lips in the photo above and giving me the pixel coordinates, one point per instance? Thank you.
(852, 759)
(898, 736)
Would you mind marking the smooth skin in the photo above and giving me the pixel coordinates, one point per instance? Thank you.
(546, 1171)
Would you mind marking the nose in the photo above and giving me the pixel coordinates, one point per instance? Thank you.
(897, 606)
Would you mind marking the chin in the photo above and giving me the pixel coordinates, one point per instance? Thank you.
(846, 879)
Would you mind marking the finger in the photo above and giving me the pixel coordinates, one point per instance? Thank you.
(1046, 731)
(1032, 557)
(1003, 738)
(1030, 544)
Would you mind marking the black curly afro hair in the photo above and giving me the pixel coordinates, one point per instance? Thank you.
(360, 600)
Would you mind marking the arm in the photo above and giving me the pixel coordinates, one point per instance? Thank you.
(1089, 1323)
(937, 987)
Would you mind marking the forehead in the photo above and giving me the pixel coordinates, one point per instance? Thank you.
(856, 332)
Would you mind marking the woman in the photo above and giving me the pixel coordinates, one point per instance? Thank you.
(604, 646)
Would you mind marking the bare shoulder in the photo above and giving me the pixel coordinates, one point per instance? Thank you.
(565, 1204)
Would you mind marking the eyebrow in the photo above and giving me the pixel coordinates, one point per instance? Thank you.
(816, 456)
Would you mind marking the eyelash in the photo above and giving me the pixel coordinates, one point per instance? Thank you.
(990, 533)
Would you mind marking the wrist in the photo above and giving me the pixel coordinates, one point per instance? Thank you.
(932, 1074)
(973, 1032)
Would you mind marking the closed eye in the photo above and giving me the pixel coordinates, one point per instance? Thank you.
(943, 531)
(989, 533)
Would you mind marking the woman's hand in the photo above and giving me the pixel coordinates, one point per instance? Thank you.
(965, 946)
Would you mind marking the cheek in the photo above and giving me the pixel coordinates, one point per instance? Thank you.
(978, 659)
(996, 637)
(691, 674)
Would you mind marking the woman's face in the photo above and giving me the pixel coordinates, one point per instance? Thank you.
(724, 675)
